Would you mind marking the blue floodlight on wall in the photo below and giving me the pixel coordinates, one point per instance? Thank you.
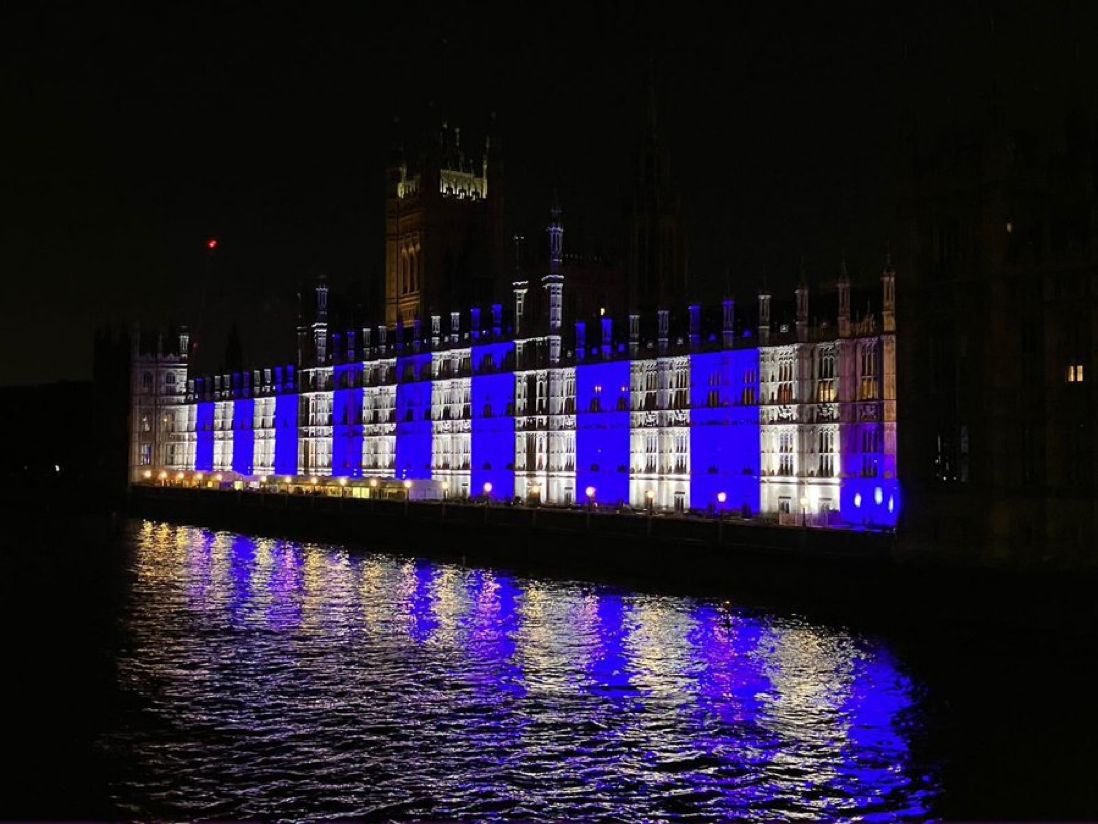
(724, 433)
(347, 421)
(286, 407)
(243, 435)
(602, 430)
(866, 496)
(413, 413)
(204, 437)
(492, 444)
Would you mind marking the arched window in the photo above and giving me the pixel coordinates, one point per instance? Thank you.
(147, 381)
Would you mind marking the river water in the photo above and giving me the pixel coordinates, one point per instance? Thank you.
(251, 678)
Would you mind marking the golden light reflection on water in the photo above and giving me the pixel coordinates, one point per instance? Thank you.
(363, 676)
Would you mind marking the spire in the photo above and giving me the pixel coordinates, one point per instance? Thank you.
(556, 236)
(844, 298)
(553, 282)
(802, 304)
(888, 289)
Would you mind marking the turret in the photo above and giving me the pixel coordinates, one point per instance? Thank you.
(844, 300)
(888, 302)
(553, 282)
(519, 285)
(764, 318)
(802, 307)
(320, 325)
(728, 323)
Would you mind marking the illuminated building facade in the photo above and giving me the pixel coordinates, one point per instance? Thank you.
(795, 422)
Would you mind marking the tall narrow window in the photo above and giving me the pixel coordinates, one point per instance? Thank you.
(867, 373)
(826, 467)
(785, 453)
(785, 380)
(825, 376)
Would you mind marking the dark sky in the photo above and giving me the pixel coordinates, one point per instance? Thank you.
(131, 134)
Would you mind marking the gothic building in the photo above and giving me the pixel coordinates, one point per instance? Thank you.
(724, 412)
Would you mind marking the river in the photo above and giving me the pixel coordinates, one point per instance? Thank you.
(221, 676)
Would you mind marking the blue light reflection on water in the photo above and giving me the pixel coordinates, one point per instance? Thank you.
(278, 680)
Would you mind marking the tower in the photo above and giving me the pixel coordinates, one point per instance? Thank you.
(553, 282)
(443, 228)
(320, 323)
(802, 307)
(844, 300)
(519, 287)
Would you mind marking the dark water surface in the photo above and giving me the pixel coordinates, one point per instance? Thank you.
(233, 677)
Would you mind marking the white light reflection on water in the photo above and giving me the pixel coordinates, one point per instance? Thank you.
(277, 680)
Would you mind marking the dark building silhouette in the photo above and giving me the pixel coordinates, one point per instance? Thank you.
(656, 238)
(996, 398)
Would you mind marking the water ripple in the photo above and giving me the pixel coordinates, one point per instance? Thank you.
(291, 681)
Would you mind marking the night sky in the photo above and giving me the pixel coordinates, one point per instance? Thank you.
(131, 135)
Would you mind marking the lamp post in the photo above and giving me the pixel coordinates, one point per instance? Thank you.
(487, 491)
(804, 511)
(590, 492)
(650, 500)
(721, 498)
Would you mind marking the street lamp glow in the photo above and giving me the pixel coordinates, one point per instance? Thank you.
(218, 477)
(721, 497)
(590, 491)
(649, 494)
(162, 474)
(342, 481)
(179, 476)
(148, 473)
(199, 476)
(373, 482)
(407, 484)
(487, 487)
(314, 480)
